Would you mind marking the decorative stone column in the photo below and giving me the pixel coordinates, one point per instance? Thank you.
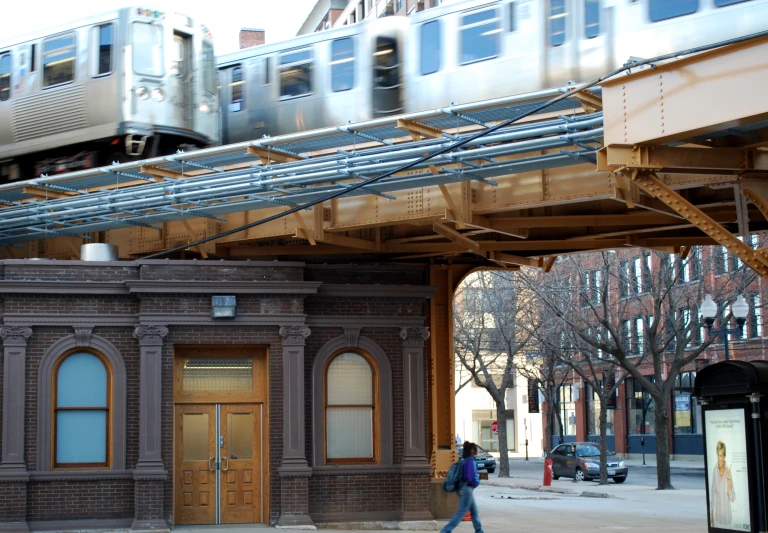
(416, 468)
(150, 473)
(294, 470)
(13, 469)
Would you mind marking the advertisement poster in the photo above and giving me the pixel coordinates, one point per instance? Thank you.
(683, 411)
(727, 474)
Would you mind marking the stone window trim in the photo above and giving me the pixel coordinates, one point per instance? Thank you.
(385, 405)
(82, 339)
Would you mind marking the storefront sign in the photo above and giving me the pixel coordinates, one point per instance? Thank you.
(533, 396)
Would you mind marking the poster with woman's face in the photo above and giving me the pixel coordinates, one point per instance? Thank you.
(727, 473)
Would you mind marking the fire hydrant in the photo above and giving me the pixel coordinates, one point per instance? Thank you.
(547, 472)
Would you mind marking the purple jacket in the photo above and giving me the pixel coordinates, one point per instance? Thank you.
(469, 474)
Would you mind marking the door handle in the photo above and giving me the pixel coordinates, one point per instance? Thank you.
(212, 464)
(224, 467)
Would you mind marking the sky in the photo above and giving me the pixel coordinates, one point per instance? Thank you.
(280, 18)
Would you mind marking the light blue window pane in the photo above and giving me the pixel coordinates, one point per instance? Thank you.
(82, 382)
(81, 437)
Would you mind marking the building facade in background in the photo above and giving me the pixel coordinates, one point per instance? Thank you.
(631, 414)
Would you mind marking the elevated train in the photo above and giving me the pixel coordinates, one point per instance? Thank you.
(137, 83)
(458, 53)
(133, 83)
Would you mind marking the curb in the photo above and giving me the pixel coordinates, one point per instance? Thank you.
(589, 494)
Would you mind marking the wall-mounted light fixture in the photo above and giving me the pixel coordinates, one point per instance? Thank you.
(223, 306)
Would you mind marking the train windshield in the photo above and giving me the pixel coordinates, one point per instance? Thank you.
(148, 49)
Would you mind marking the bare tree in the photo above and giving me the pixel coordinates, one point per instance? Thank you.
(487, 339)
(646, 321)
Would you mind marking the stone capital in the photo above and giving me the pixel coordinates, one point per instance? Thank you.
(414, 336)
(294, 335)
(15, 335)
(150, 335)
(352, 336)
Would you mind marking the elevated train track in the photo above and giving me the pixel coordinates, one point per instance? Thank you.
(598, 170)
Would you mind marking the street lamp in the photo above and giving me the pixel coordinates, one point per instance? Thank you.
(739, 308)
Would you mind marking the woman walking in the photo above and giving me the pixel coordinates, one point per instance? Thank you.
(470, 480)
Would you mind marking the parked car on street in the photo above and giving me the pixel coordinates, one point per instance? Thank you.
(485, 461)
(582, 461)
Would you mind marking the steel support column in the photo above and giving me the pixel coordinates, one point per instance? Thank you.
(651, 184)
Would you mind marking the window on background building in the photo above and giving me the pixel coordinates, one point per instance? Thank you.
(59, 58)
(673, 264)
(641, 411)
(81, 412)
(687, 409)
(593, 414)
(296, 73)
(639, 333)
(694, 264)
(350, 393)
(755, 319)
(430, 47)
(399, 6)
(480, 36)
(637, 275)
(626, 336)
(647, 272)
(568, 410)
(659, 10)
(624, 277)
(557, 20)
(342, 64)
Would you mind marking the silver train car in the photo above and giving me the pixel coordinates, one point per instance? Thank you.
(459, 53)
(327, 78)
(130, 84)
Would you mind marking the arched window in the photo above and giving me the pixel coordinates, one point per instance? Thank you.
(351, 416)
(82, 411)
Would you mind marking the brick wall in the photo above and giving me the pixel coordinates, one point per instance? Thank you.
(332, 496)
(250, 38)
(13, 502)
(148, 497)
(338, 306)
(68, 500)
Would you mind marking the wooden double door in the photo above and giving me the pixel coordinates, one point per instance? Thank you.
(219, 474)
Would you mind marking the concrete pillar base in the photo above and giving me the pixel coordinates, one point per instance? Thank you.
(443, 505)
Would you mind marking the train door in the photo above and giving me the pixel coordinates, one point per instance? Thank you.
(560, 50)
(595, 52)
(180, 81)
(234, 103)
(387, 98)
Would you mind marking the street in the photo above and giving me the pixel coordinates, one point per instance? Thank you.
(682, 477)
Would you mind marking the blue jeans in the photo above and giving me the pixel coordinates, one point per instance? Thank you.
(466, 503)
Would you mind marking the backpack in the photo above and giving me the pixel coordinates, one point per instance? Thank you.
(453, 480)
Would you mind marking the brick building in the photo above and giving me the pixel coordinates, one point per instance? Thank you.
(631, 416)
(147, 394)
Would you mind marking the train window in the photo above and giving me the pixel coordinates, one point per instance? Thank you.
(591, 18)
(267, 70)
(480, 36)
(148, 49)
(296, 73)
(430, 47)
(209, 69)
(236, 85)
(557, 16)
(5, 77)
(667, 9)
(59, 60)
(101, 55)
(32, 57)
(386, 66)
(512, 17)
(342, 64)
(723, 3)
